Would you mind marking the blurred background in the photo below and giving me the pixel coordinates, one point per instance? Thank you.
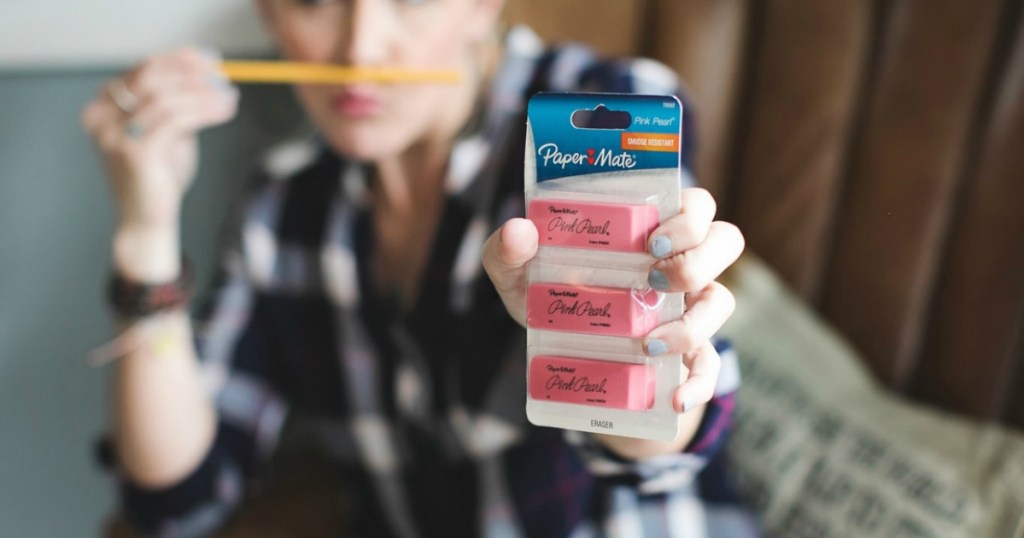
(871, 151)
(55, 224)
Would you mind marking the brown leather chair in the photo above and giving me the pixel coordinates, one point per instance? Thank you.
(872, 152)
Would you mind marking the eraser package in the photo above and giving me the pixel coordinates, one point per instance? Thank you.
(601, 173)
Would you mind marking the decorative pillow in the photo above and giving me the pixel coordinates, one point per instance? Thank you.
(821, 450)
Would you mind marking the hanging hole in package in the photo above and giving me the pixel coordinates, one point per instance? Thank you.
(601, 173)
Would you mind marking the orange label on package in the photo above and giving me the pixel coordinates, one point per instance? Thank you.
(650, 141)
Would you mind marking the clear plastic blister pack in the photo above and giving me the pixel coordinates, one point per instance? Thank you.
(601, 173)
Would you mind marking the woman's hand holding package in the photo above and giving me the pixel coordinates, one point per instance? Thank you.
(692, 250)
(145, 125)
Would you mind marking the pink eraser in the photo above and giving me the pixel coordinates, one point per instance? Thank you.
(620, 385)
(591, 309)
(568, 223)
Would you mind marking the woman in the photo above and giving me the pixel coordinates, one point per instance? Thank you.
(354, 302)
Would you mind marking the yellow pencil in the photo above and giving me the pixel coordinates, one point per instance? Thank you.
(306, 73)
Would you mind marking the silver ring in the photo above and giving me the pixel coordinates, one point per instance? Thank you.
(133, 129)
(127, 101)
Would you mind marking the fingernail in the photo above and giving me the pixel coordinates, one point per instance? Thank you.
(231, 93)
(227, 91)
(661, 246)
(689, 405)
(218, 80)
(686, 402)
(211, 54)
(658, 280)
(225, 100)
(656, 347)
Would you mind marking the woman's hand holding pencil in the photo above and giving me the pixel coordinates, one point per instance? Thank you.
(145, 124)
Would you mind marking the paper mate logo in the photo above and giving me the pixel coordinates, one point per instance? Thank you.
(552, 156)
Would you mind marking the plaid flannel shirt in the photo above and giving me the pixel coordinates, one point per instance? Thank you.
(422, 405)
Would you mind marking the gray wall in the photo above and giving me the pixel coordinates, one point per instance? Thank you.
(55, 224)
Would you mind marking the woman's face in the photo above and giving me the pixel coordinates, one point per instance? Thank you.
(370, 121)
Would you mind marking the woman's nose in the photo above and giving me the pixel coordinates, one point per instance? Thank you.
(370, 22)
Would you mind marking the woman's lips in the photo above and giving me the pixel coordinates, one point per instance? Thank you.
(356, 103)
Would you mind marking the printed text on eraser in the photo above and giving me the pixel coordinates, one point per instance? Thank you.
(617, 227)
(618, 385)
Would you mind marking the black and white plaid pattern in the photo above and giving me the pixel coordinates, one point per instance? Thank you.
(422, 404)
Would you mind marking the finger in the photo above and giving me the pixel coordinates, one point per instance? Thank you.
(186, 113)
(702, 375)
(171, 82)
(104, 111)
(687, 229)
(108, 138)
(706, 312)
(507, 251)
(98, 113)
(180, 72)
(692, 269)
(183, 70)
(172, 114)
(505, 255)
(104, 123)
(186, 67)
(151, 81)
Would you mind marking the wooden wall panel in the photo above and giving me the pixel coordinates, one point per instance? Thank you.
(610, 26)
(970, 358)
(910, 151)
(808, 68)
(704, 42)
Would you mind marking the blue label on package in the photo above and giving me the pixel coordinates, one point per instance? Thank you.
(577, 134)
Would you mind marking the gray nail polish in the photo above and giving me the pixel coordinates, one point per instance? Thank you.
(218, 81)
(228, 92)
(658, 280)
(661, 246)
(656, 347)
(211, 54)
(232, 94)
(688, 405)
